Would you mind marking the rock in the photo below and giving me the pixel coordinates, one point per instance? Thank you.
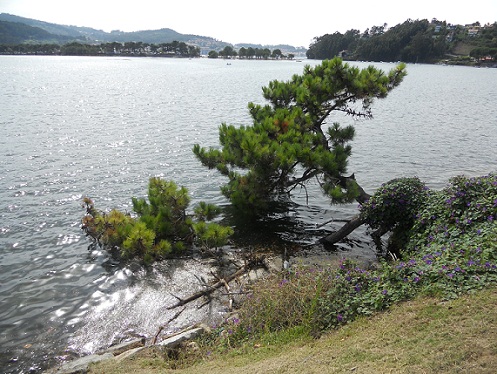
(80, 365)
(130, 353)
(130, 349)
(116, 350)
(256, 274)
(176, 340)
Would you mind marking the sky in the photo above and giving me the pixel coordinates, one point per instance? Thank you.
(266, 22)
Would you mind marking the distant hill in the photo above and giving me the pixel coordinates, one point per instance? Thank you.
(33, 31)
(19, 33)
(18, 30)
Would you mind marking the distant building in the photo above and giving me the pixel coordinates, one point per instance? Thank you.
(473, 31)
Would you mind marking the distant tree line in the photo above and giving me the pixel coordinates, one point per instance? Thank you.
(411, 41)
(250, 53)
(174, 49)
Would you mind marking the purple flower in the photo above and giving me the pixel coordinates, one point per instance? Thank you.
(384, 292)
(339, 318)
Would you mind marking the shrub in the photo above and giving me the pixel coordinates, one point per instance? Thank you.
(161, 226)
(393, 208)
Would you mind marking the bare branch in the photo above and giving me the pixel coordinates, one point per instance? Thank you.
(167, 323)
(216, 285)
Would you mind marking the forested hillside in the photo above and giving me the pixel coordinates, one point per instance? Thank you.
(411, 41)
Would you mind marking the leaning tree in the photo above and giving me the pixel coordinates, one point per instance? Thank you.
(292, 139)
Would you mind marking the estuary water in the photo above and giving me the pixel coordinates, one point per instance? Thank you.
(101, 127)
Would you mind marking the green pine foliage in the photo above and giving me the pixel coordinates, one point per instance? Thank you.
(160, 227)
(290, 141)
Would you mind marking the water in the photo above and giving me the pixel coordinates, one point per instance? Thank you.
(100, 127)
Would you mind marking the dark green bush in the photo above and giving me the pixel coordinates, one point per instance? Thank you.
(395, 203)
(161, 226)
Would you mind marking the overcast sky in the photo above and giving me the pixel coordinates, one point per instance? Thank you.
(255, 21)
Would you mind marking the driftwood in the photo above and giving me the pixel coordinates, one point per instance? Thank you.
(220, 283)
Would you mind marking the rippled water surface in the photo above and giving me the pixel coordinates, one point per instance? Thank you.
(100, 127)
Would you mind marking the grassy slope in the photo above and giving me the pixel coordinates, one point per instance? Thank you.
(421, 336)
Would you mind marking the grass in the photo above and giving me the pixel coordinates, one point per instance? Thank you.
(425, 335)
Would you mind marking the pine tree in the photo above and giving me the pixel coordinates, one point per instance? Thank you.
(291, 142)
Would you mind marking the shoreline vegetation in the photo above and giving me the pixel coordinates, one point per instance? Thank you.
(182, 50)
(413, 41)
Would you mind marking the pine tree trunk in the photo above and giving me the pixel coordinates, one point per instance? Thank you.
(343, 232)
